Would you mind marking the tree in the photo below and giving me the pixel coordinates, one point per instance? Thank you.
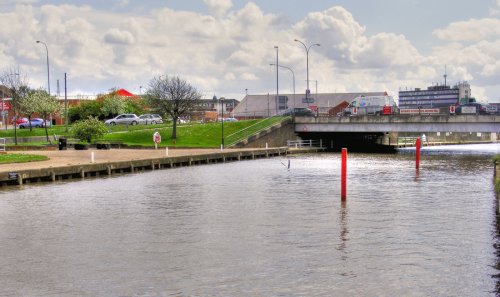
(172, 96)
(88, 129)
(45, 105)
(112, 105)
(18, 86)
(84, 110)
(27, 107)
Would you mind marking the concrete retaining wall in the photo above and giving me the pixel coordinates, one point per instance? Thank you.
(276, 136)
(20, 177)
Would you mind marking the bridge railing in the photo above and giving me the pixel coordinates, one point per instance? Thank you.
(302, 143)
(406, 141)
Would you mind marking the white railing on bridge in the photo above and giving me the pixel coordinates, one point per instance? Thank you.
(305, 143)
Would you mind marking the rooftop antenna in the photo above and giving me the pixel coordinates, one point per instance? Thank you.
(445, 76)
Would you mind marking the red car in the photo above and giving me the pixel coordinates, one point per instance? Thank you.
(21, 120)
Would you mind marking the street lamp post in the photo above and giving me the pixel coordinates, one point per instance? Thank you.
(246, 103)
(222, 122)
(293, 77)
(65, 102)
(48, 69)
(307, 48)
(277, 82)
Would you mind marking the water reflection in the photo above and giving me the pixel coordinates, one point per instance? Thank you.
(344, 231)
(253, 228)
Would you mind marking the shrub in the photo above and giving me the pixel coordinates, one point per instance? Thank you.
(88, 129)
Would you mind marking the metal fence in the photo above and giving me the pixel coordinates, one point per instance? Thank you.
(304, 143)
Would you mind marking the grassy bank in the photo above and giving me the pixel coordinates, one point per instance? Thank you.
(207, 135)
(20, 158)
(195, 135)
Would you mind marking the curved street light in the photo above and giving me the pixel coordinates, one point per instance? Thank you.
(48, 69)
(307, 48)
(293, 77)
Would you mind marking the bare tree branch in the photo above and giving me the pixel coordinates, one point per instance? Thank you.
(172, 96)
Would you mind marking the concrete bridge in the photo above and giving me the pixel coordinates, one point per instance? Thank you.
(399, 123)
(384, 133)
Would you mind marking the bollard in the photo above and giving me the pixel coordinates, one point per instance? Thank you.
(221, 147)
(92, 157)
(417, 153)
(343, 186)
(166, 151)
(156, 146)
(266, 146)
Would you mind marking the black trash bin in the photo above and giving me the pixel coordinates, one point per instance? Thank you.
(62, 143)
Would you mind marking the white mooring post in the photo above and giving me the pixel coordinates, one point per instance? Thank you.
(92, 157)
(166, 151)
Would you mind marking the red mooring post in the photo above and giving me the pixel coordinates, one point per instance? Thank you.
(417, 154)
(343, 187)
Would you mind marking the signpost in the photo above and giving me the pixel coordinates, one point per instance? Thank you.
(5, 106)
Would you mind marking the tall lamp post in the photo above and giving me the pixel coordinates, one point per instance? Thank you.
(293, 77)
(48, 69)
(277, 82)
(246, 103)
(222, 122)
(307, 48)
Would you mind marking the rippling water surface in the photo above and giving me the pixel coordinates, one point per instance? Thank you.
(253, 228)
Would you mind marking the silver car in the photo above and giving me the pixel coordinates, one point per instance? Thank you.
(123, 119)
(150, 119)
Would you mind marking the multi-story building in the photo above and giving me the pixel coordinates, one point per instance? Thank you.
(434, 96)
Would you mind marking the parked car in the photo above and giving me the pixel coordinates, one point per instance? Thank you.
(21, 120)
(150, 119)
(300, 112)
(35, 123)
(123, 119)
(471, 108)
(230, 120)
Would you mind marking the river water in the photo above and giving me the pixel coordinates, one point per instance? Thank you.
(255, 228)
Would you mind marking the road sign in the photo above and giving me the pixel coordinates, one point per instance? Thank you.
(4, 106)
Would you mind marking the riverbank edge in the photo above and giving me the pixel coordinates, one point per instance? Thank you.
(497, 179)
(51, 173)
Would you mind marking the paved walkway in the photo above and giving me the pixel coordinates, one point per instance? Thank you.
(77, 157)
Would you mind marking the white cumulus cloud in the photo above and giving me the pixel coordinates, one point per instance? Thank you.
(218, 7)
(226, 52)
(471, 30)
(119, 36)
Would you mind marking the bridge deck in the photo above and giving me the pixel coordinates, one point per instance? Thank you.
(400, 123)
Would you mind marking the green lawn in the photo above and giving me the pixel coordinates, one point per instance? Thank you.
(188, 135)
(20, 158)
(194, 135)
(58, 130)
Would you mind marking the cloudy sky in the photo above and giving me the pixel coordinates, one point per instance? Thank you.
(223, 47)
